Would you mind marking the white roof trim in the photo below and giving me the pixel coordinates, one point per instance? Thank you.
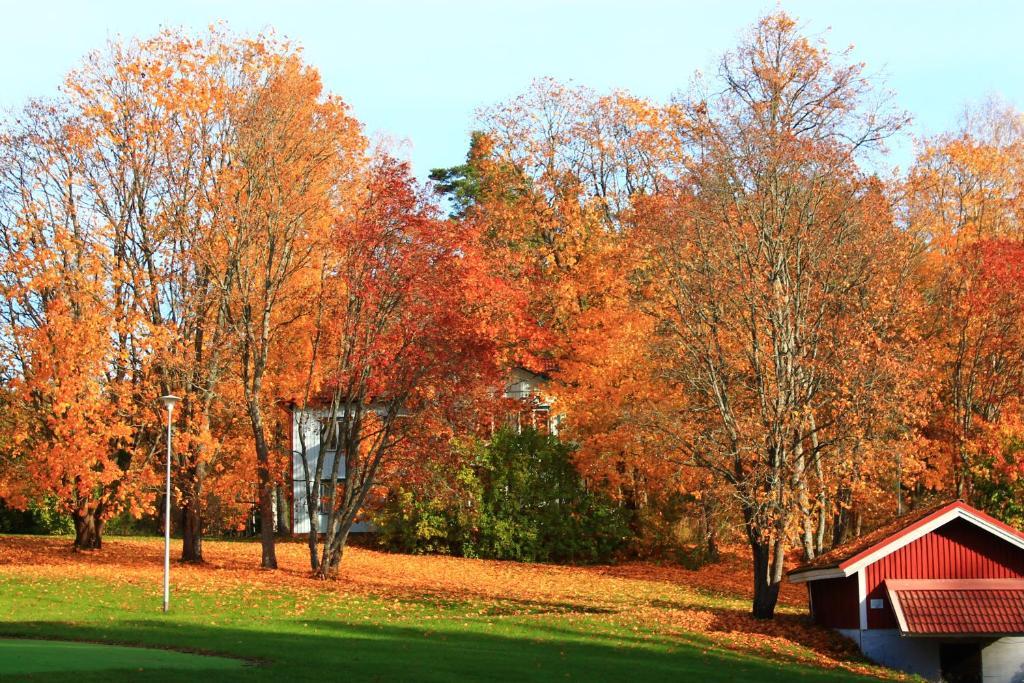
(897, 608)
(889, 548)
(862, 600)
(815, 574)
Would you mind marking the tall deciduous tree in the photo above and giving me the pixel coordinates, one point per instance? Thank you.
(764, 257)
(295, 152)
(78, 354)
(964, 193)
(407, 348)
(771, 270)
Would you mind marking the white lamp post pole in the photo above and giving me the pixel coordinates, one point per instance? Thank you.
(168, 402)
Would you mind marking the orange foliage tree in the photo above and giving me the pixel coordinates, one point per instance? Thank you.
(404, 350)
(295, 157)
(188, 178)
(964, 193)
(78, 351)
(772, 271)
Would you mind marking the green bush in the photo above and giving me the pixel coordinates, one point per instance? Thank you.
(518, 497)
(126, 525)
(41, 518)
(49, 520)
(15, 521)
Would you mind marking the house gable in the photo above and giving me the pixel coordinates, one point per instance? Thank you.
(956, 550)
(849, 559)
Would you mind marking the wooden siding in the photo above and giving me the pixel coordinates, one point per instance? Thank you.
(956, 550)
(834, 602)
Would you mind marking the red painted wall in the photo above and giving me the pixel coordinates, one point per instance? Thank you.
(956, 550)
(834, 602)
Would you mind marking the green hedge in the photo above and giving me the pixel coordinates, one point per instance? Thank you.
(518, 497)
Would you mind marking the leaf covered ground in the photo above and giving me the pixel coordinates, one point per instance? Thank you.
(401, 617)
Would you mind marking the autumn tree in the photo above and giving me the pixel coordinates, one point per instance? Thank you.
(192, 175)
(78, 356)
(147, 160)
(759, 253)
(547, 177)
(766, 258)
(964, 193)
(407, 351)
(294, 150)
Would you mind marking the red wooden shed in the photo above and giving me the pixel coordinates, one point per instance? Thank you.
(938, 592)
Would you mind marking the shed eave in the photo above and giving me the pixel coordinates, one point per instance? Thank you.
(954, 636)
(818, 574)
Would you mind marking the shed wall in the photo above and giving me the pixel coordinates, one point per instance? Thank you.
(834, 602)
(956, 550)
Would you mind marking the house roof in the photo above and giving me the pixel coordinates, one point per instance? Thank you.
(846, 559)
(962, 607)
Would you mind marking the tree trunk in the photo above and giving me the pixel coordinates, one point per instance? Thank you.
(313, 512)
(266, 489)
(768, 552)
(709, 522)
(841, 517)
(714, 555)
(284, 525)
(266, 499)
(766, 590)
(191, 532)
(329, 569)
(803, 499)
(88, 530)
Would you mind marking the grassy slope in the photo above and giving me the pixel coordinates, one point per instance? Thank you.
(402, 618)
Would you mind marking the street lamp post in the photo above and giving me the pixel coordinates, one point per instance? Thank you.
(169, 401)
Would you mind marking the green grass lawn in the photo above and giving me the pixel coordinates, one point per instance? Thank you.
(356, 640)
(286, 632)
(25, 656)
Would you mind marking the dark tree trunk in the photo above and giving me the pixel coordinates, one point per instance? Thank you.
(714, 555)
(266, 496)
(767, 550)
(88, 530)
(766, 589)
(709, 514)
(313, 512)
(284, 525)
(841, 517)
(191, 532)
(329, 569)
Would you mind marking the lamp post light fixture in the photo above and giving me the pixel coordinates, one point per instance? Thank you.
(169, 402)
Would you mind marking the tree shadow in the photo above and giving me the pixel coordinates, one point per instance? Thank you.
(335, 649)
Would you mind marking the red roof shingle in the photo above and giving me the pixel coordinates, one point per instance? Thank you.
(842, 553)
(958, 606)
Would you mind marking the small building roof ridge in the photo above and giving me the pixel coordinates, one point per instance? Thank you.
(841, 558)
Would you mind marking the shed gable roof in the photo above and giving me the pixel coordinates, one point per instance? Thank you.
(990, 607)
(848, 558)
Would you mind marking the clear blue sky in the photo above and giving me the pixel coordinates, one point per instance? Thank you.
(417, 70)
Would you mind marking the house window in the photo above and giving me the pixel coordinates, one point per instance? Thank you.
(519, 390)
(541, 419)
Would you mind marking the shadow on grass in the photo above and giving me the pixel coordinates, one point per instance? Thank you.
(335, 650)
(797, 629)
